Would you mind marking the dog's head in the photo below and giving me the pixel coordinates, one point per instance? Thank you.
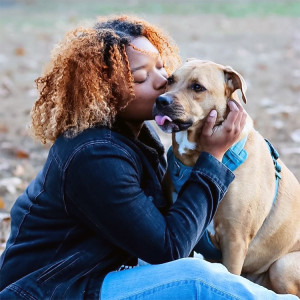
(193, 91)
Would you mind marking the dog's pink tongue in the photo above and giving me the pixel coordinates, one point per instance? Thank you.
(160, 120)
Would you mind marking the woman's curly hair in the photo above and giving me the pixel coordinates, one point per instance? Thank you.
(88, 80)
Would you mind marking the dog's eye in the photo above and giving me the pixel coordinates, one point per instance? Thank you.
(198, 87)
(170, 80)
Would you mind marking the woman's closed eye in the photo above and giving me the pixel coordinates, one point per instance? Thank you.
(140, 76)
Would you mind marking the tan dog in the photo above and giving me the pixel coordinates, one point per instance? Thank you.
(258, 239)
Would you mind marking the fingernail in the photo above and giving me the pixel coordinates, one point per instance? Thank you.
(213, 113)
(233, 105)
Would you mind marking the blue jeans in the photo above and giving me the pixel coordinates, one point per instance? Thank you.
(187, 278)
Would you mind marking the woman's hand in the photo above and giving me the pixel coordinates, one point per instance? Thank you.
(217, 140)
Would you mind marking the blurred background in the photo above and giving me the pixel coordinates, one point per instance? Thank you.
(259, 39)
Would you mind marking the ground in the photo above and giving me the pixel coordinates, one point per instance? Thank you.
(263, 46)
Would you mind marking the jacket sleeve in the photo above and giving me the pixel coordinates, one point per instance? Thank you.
(102, 187)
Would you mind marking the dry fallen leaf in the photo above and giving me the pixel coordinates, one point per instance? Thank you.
(262, 66)
(20, 51)
(1, 203)
(285, 115)
(3, 128)
(22, 154)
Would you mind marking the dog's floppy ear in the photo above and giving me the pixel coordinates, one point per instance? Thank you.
(235, 81)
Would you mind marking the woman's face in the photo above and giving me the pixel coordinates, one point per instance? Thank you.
(150, 79)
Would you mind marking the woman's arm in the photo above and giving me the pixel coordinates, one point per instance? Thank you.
(103, 189)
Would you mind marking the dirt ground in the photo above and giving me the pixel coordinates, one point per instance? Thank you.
(265, 50)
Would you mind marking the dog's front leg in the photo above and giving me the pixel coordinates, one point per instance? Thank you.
(234, 249)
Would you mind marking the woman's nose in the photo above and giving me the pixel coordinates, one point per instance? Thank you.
(160, 80)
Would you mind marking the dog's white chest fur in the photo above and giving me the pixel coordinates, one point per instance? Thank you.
(181, 138)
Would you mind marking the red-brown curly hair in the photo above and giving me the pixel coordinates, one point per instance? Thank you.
(88, 79)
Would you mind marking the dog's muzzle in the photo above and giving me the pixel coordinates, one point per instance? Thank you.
(165, 115)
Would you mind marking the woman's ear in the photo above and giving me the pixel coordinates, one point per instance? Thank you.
(235, 81)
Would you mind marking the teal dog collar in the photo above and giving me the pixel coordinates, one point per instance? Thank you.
(180, 173)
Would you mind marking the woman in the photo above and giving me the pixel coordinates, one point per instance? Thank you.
(97, 205)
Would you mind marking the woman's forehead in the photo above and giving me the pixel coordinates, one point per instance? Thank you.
(141, 52)
(143, 44)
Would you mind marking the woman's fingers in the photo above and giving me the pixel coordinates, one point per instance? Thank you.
(236, 118)
(210, 121)
(218, 139)
(232, 116)
(241, 119)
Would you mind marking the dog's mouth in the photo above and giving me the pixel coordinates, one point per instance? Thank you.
(168, 125)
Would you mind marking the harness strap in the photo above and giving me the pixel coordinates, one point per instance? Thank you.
(180, 173)
(275, 156)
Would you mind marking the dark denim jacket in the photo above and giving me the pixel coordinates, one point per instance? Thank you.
(98, 204)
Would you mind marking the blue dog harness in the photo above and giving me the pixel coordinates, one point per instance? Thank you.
(232, 159)
(180, 173)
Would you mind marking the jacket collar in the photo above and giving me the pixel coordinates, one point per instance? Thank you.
(147, 139)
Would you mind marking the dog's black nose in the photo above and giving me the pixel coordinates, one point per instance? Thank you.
(163, 101)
